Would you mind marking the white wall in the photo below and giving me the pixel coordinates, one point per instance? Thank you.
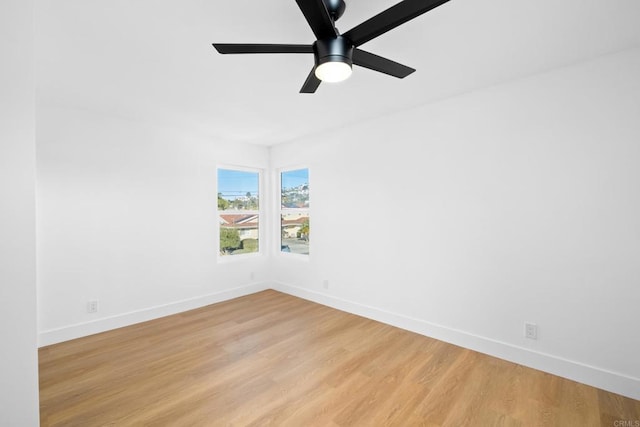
(460, 220)
(18, 356)
(464, 219)
(126, 216)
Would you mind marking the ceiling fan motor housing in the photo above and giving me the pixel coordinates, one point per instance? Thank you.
(336, 49)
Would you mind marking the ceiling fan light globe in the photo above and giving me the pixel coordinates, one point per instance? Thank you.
(333, 71)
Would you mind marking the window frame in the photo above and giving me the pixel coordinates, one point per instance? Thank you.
(260, 212)
(282, 210)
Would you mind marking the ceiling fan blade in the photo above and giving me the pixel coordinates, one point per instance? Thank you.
(311, 84)
(378, 63)
(389, 19)
(318, 17)
(262, 48)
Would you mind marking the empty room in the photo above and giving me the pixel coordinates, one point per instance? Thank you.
(320, 213)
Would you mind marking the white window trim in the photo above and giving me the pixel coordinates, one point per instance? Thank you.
(280, 210)
(262, 195)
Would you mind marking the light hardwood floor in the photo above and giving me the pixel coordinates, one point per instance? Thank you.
(273, 359)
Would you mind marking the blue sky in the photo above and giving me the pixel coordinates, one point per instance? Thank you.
(295, 178)
(234, 183)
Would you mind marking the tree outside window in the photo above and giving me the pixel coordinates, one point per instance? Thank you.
(294, 211)
(238, 211)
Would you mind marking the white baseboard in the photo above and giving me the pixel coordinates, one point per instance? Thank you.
(576, 371)
(79, 330)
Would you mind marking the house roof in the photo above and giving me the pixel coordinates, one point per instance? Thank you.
(239, 220)
(297, 221)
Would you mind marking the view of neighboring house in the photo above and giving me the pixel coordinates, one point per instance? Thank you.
(294, 211)
(246, 224)
(293, 225)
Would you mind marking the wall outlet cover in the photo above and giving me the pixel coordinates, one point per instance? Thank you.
(531, 331)
(92, 306)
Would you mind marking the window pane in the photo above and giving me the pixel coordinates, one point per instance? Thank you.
(294, 228)
(237, 190)
(295, 188)
(238, 234)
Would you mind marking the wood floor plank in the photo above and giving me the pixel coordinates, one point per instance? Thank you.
(273, 359)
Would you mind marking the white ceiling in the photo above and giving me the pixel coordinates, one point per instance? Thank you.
(152, 60)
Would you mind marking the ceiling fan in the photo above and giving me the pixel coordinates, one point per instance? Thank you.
(335, 53)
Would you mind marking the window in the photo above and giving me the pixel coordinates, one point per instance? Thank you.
(238, 211)
(294, 211)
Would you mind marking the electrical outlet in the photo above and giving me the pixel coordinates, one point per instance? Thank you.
(325, 284)
(531, 331)
(252, 276)
(92, 306)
